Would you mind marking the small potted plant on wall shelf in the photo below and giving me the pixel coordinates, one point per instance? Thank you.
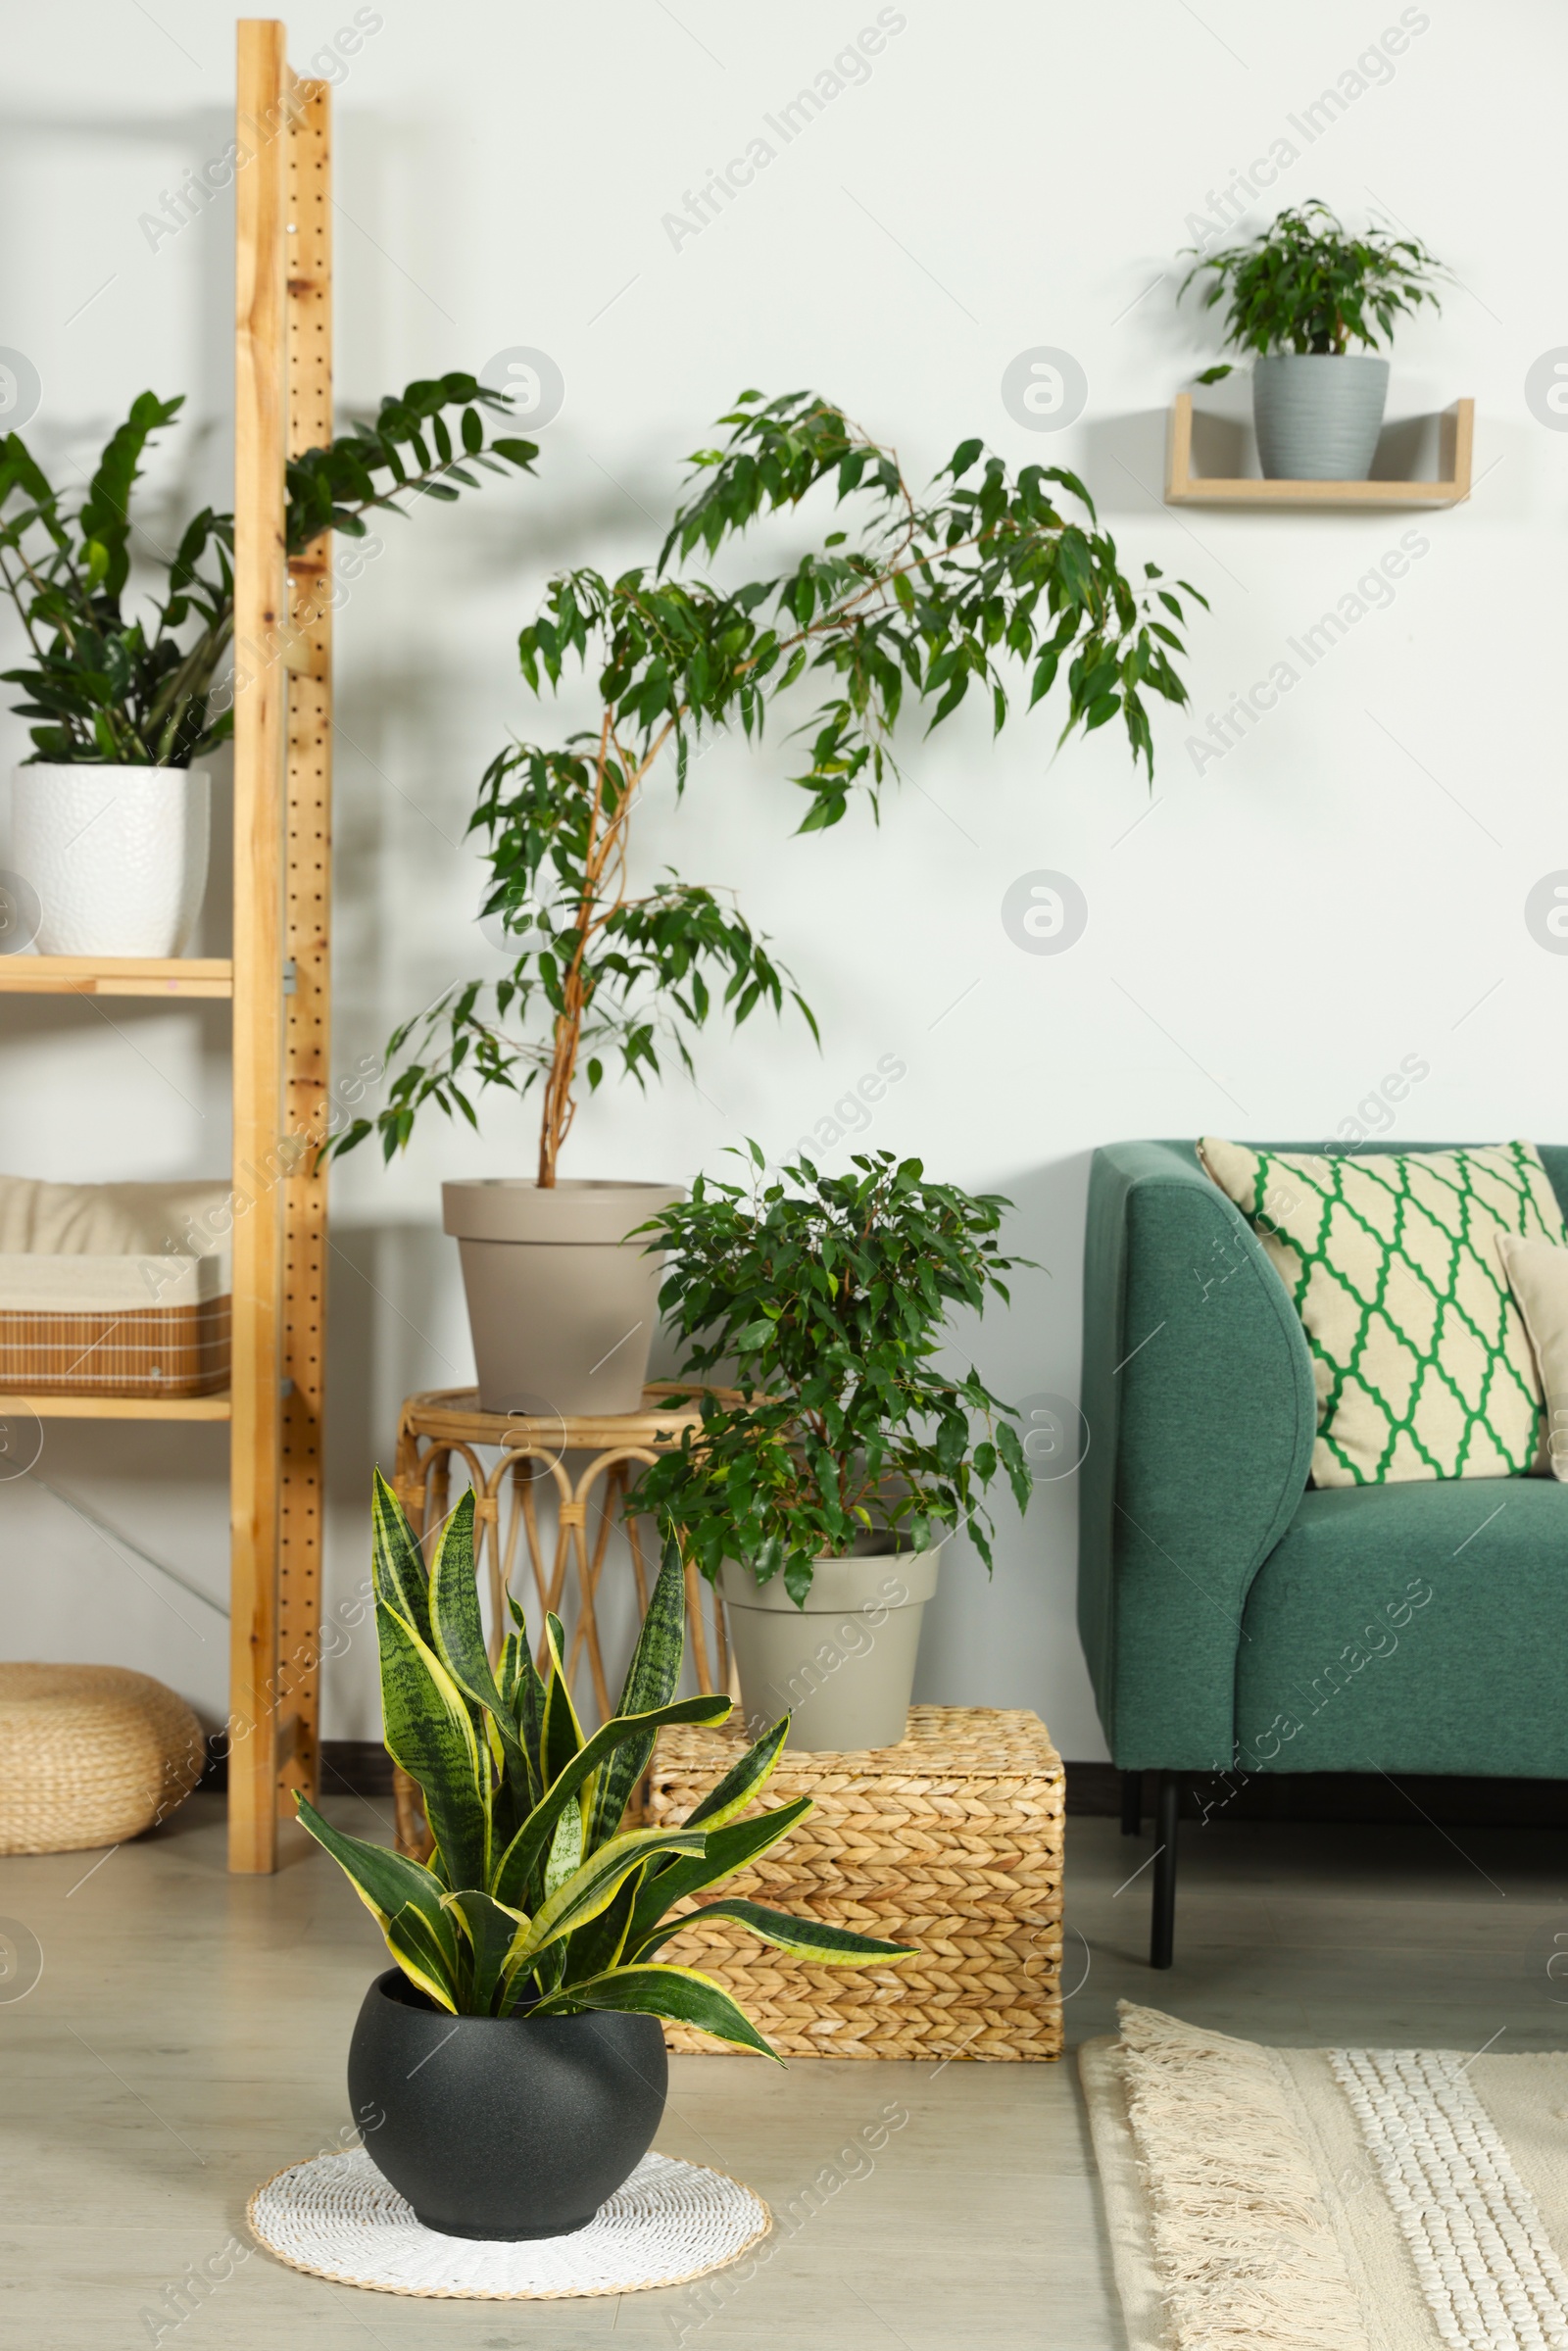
(920, 601)
(109, 816)
(820, 1502)
(1299, 295)
(527, 1947)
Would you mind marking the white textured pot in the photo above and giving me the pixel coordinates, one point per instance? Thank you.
(1318, 416)
(561, 1305)
(118, 856)
(843, 1666)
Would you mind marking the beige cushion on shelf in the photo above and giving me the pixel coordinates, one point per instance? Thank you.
(1537, 1275)
(1421, 1359)
(49, 1285)
(188, 1217)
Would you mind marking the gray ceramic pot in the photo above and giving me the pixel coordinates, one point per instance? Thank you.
(1318, 418)
(503, 2128)
(843, 1666)
(561, 1305)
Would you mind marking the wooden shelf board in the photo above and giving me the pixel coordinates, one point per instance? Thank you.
(116, 975)
(1185, 488)
(119, 1407)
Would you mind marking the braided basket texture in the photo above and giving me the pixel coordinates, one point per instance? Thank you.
(952, 1841)
(90, 1755)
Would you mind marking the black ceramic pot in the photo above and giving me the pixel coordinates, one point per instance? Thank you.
(503, 2126)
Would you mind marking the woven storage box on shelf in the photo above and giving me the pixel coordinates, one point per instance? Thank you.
(952, 1841)
(155, 1351)
(90, 1755)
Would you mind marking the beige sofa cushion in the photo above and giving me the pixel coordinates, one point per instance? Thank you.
(1537, 1275)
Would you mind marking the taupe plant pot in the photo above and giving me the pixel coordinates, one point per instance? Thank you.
(1318, 418)
(561, 1305)
(843, 1666)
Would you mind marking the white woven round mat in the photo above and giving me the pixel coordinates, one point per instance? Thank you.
(339, 2219)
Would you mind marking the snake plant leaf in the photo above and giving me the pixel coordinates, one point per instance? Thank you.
(459, 1639)
(424, 1958)
(385, 1882)
(566, 1848)
(601, 1943)
(725, 1852)
(592, 1889)
(518, 1863)
(429, 1731)
(490, 1931)
(399, 1575)
(523, 1692)
(457, 1632)
(678, 1992)
(560, 1733)
(744, 1784)
(803, 1938)
(650, 1683)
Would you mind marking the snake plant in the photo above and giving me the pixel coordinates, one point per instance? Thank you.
(537, 1900)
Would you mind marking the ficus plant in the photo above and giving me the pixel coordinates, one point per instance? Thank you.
(1308, 285)
(990, 576)
(134, 690)
(829, 1296)
(536, 1899)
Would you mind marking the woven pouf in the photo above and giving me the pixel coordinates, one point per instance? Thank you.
(90, 1755)
(337, 2218)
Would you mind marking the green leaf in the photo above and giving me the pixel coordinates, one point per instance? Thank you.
(399, 1562)
(534, 1837)
(652, 1679)
(803, 1938)
(430, 1733)
(680, 1994)
(490, 1931)
(592, 1889)
(384, 1879)
(560, 1732)
(423, 1959)
(727, 1850)
(745, 1782)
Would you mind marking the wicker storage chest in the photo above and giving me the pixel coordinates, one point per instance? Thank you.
(952, 1841)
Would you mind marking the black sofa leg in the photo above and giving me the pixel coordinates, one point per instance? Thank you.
(1162, 1923)
(1132, 1804)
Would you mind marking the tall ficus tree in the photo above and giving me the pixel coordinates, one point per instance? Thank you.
(985, 580)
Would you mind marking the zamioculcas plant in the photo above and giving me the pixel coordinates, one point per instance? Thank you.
(108, 688)
(536, 1899)
(985, 577)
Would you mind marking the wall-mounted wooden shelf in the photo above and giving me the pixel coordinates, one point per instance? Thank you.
(116, 975)
(1182, 487)
(119, 1407)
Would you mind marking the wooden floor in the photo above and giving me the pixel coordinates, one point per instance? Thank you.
(187, 2036)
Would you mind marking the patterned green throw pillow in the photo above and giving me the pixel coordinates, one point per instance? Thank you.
(1423, 1365)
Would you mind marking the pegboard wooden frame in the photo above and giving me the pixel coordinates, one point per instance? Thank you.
(282, 885)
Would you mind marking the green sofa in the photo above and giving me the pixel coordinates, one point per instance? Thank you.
(1234, 1619)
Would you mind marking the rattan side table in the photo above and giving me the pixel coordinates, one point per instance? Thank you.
(571, 1455)
(952, 1841)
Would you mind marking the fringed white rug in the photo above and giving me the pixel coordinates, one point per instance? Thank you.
(339, 2219)
(1330, 2199)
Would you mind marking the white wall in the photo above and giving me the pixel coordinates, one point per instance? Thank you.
(1267, 937)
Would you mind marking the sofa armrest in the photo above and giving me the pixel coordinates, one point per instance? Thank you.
(1198, 1396)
